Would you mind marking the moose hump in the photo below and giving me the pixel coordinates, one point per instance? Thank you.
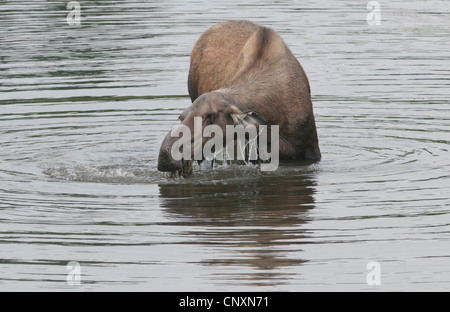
(239, 67)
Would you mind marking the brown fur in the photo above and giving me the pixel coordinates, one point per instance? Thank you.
(239, 65)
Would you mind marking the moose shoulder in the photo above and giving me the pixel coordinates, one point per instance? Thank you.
(239, 68)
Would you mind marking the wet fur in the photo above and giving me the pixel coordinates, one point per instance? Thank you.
(254, 69)
(239, 67)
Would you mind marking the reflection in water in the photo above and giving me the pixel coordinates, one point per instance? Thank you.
(259, 219)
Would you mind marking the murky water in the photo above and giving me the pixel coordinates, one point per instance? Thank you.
(83, 110)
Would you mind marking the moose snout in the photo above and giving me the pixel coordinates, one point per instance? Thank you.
(166, 163)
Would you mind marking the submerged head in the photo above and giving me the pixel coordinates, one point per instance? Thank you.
(212, 109)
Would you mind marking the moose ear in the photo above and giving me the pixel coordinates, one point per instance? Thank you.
(244, 117)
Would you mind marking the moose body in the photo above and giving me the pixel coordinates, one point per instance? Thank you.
(243, 71)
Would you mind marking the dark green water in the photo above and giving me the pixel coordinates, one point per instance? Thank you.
(83, 111)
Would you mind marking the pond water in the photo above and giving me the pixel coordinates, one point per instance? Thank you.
(84, 109)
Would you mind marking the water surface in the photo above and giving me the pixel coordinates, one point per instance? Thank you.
(84, 109)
